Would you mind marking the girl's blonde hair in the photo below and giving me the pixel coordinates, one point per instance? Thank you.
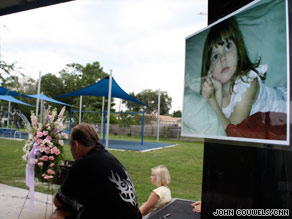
(227, 30)
(162, 175)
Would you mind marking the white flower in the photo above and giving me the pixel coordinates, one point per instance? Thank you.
(54, 113)
(61, 142)
(51, 144)
(64, 135)
(24, 157)
(60, 116)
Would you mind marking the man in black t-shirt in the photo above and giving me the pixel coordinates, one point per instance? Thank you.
(97, 185)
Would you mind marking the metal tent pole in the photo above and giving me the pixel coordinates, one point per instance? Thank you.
(102, 120)
(8, 117)
(108, 108)
(80, 109)
(38, 96)
(158, 115)
(42, 109)
(142, 137)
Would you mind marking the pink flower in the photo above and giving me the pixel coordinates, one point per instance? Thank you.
(51, 172)
(46, 177)
(48, 126)
(39, 134)
(35, 138)
(55, 150)
(44, 158)
(47, 150)
(49, 138)
(36, 161)
(51, 158)
(40, 164)
(45, 133)
(52, 165)
(33, 119)
(39, 141)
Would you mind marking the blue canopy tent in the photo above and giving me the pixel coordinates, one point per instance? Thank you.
(44, 97)
(13, 100)
(4, 91)
(7, 95)
(102, 88)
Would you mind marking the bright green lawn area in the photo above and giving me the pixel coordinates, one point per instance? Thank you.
(184, 161)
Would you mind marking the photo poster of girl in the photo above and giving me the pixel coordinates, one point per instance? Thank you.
(237, 77)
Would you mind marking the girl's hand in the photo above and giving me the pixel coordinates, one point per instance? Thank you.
(218, 91)
(217, 84)
(208, 89)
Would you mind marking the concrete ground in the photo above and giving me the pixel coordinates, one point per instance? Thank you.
(12, 200)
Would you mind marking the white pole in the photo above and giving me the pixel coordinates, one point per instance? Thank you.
(8, 118)
(158, 115)
(120, 105)
(80, 109)
(42, 109)
(38, 96)
(108, 107)
(102, 115)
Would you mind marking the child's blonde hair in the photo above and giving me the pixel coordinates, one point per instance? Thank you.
(162, 175)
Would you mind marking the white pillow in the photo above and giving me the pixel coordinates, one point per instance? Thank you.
(199, 118)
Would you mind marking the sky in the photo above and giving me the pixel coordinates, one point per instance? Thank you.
(141, 41)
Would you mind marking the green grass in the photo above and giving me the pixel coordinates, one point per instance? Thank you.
(184, 161)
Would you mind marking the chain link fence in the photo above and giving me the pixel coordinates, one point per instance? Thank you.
(165, 131)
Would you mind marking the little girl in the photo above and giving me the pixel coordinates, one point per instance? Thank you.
(232, 84)
(160, 177)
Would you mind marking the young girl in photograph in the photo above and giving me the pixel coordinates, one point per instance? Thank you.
(160, 177)
(232, 84)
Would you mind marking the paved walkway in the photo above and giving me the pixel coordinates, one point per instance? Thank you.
(12, 200)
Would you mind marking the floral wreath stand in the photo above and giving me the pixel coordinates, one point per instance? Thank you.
(50, 192)
(43, 152)
(58, 180)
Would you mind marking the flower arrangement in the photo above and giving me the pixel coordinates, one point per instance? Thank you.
(44, 147)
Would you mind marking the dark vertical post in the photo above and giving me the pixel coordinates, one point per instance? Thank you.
(244, 175)
(142, 137)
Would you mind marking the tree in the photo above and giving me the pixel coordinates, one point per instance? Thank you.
(51, 85)
(74, 77)
(150, 98)
(5, 70)
(176, 113)
(125, 120)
